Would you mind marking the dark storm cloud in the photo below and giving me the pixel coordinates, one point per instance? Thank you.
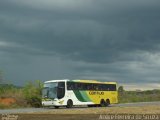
(103, 35)
(82, 34)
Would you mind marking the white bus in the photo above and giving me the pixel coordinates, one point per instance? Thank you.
(78, 92)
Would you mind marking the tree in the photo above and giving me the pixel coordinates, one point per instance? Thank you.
(121, 90)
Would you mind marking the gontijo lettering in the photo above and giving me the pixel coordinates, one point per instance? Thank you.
(96, 93)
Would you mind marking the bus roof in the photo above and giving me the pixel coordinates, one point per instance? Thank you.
(56, 80)
(83, 81)
(93, 81)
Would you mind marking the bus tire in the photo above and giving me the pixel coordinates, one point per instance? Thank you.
(69, 103)
(91, 105)
(107, 102)
(103, 103)
(56, 107)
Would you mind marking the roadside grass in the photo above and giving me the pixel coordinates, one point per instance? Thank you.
(30, 95)
(12, 98)
(27, 96)
(142, 96)
(11, 106)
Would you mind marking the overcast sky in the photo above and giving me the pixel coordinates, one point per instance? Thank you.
(109, 40)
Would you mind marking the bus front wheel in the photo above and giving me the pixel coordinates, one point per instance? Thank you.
(69, 103)
(56, 107)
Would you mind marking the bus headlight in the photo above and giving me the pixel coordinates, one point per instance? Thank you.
(55, 99)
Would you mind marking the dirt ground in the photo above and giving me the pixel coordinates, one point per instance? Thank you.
(7, 101)
(94, 113)
(152, 109)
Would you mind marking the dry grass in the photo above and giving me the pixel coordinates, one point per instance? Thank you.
(104, 110)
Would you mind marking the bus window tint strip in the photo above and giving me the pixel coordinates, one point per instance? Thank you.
(90, 86)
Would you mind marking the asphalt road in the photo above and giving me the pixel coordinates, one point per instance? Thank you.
(32, 110)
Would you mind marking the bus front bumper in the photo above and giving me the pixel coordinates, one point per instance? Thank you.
(54, 102)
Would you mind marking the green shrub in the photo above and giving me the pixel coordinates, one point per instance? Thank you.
(32, 93)
(28, 96)
(142, 96)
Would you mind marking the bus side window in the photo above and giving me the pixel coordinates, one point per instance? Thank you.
(61, 90)
(88, 87)
(84, 86)
(75, 86)
(113, 87)
(80, 86)
(101, 87)
(105, 87)
(96, 87)
(70, 86)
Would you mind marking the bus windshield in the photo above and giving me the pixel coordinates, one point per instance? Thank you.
(50, 90)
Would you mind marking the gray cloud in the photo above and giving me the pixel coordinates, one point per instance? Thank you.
(99, 38)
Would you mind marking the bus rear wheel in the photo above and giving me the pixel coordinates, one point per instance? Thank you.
(107, 102)
(69, 103)
(103, 103)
